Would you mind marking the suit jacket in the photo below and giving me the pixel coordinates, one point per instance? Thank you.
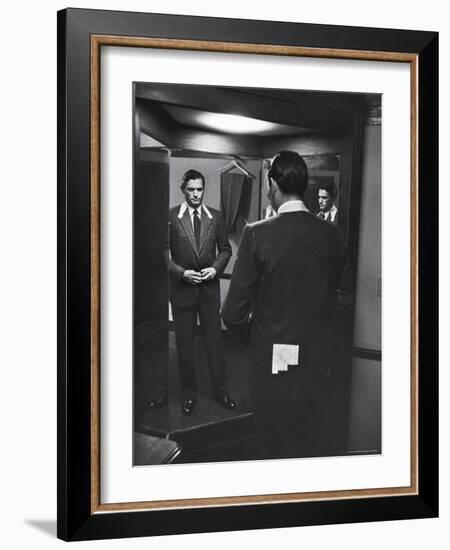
(289, 275)
(182, 253)
(331, 215)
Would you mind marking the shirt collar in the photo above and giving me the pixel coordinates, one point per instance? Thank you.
(330, 214)
(292, 206)
(185, 206)
(192, 210)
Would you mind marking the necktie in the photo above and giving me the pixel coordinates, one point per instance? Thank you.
(197, 228)
(322, 215)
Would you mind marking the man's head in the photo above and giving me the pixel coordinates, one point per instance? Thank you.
(287, 178)
(326, 196)
(193, 187)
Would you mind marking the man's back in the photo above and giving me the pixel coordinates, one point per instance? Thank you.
(287, 274)
(286, 280)
(291, 265)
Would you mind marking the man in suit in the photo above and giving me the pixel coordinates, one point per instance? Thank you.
(199, 252)
(326, 197)
(287, 282)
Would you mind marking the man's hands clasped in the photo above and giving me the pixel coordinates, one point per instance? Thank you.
(197, 277)
(208, 273)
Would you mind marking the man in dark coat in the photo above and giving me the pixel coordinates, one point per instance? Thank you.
(199, 252)
(326, 197)
(288, 282)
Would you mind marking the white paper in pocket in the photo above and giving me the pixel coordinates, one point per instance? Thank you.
(284, 355)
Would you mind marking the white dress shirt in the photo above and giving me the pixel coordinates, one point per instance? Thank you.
(201, 209)
(191, 214)
(330, 215)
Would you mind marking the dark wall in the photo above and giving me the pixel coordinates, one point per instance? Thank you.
(150, 280)
(151, 200)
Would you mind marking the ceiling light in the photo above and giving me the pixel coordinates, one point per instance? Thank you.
(234, 124)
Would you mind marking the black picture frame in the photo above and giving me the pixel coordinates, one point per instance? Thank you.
(79, 516)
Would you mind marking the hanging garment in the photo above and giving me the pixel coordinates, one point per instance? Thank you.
(232, 194)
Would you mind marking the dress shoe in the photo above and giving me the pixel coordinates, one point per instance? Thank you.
(188, 406)
(157, 403)
(227, 402)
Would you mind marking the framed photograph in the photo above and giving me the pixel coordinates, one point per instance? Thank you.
(247, 271)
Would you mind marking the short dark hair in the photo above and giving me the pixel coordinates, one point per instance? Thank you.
(192, 175)
(289, 171)
(330, 188)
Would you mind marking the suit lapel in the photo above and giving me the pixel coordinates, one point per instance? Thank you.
(185, 221)
(205, 227)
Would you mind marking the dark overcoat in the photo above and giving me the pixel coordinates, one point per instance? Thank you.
(289, 278)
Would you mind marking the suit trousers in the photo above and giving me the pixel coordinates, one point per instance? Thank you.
(185, 320)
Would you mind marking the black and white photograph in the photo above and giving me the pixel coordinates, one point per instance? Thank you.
(223, 285)
(257, 273)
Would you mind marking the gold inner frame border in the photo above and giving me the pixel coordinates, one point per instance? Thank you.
(97, 41)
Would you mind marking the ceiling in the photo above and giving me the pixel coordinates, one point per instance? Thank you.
(207, 120)
(289, 112)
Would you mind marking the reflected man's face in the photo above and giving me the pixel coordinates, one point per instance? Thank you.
(193, 192)
(325, 200)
